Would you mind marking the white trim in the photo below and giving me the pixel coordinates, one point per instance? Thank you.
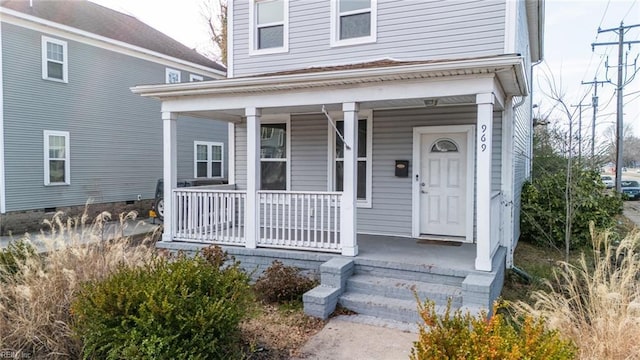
(335, 25)
(230, 40)
(280, 119)
(71, 33)
(231, 144)
(209, 160)
(362, 115)
(67, 157)
(45, 59)
(168, 72)
(507, 179)
(416, 176)
(510, 26)
(253, 30)
(3, 201)
(194, 77)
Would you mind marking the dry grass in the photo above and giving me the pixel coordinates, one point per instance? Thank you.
(596, 304)
(34, 305)
(278, 333)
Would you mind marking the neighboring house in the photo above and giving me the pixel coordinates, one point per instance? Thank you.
(71, 131)
(414, 172)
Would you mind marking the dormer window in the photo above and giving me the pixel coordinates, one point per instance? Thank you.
(270, 26)
(353, 22)
(54, 59)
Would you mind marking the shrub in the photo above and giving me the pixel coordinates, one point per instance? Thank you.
(15, 254)
(543, 209)
(463, 336)
(183, 308)
(34, 307)
(597, 305)
(281, 284)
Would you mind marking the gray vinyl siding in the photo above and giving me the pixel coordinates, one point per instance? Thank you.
(450, 29)
(115, 135)
(391, 211)
(196, 129)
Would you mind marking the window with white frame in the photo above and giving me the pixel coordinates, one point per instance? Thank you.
(56, 158)
(269, 26)
(209, 159)
(274, 156)
(353, 22)
(194, 77)
(54, 59)
(364, 163)
(172, 76)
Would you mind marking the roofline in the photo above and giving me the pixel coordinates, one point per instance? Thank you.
(121, 44)
(536, 25)
(331, 78)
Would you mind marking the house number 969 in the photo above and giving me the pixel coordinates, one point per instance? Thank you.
(483, 138)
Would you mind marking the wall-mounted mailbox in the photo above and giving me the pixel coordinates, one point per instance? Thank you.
(402, 168)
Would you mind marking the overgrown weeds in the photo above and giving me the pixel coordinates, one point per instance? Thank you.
(280, 284)
(597, 305)
(39, 285)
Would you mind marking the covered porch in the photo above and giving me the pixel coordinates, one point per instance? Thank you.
(325, 221)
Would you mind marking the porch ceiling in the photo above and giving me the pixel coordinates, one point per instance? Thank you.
(408, 84)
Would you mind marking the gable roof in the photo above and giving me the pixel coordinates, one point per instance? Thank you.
(96, 19)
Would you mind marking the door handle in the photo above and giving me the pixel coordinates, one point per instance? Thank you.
(424, 192)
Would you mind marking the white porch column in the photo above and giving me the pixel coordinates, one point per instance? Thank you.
(170, 170)
(483, 180)
(348, 228)
(252, 211)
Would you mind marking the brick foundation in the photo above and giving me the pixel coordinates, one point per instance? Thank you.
(19, 222)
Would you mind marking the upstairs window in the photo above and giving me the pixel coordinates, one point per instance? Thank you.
(194, 77)
(353, 22)
(54, 59)
(56, 158)
(208, 159)
(270, 26)
(172, 76)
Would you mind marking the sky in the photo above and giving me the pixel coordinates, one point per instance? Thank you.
(571, 27)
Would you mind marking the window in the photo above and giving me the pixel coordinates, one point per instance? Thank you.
(172, 76)
(208, 158)
(56, 158)
(54, 59)
(444, 145)
(270, 30)
(364, 160)
(194, 77)
(273, 156)
(353, 22)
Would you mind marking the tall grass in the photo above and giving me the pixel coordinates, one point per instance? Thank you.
(34, 301)
(597, 305)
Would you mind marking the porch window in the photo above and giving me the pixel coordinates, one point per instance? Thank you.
(56, 158)
(353, 22)
(273, 156)
(364, 161)
(54, 59)
(208, 158)
(270, 26)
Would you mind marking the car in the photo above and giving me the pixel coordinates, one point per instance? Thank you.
(608, 181)
(158, 207)
(630, 189)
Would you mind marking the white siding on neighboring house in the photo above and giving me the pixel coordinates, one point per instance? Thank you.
(448, 30)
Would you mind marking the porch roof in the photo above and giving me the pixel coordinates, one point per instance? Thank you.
(504, 75)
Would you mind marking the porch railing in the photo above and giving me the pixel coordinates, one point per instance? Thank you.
(496, 220)
(300, 220)
(208, 215)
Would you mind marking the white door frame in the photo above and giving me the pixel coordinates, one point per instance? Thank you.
(417, 177)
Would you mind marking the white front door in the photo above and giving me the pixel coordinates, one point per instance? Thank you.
(443, 184)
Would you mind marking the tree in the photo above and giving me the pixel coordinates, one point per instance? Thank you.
(214, 12)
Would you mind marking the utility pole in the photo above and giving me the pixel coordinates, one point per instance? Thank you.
(594, 103)
(621, 30)
(579, 106)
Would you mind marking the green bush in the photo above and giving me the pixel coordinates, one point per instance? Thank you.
(15, 254)
(543, 210)
(281, 284)
(463, 336)
(184, 308)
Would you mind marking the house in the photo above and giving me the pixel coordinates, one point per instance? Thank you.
(71, 131)
(382, 143)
